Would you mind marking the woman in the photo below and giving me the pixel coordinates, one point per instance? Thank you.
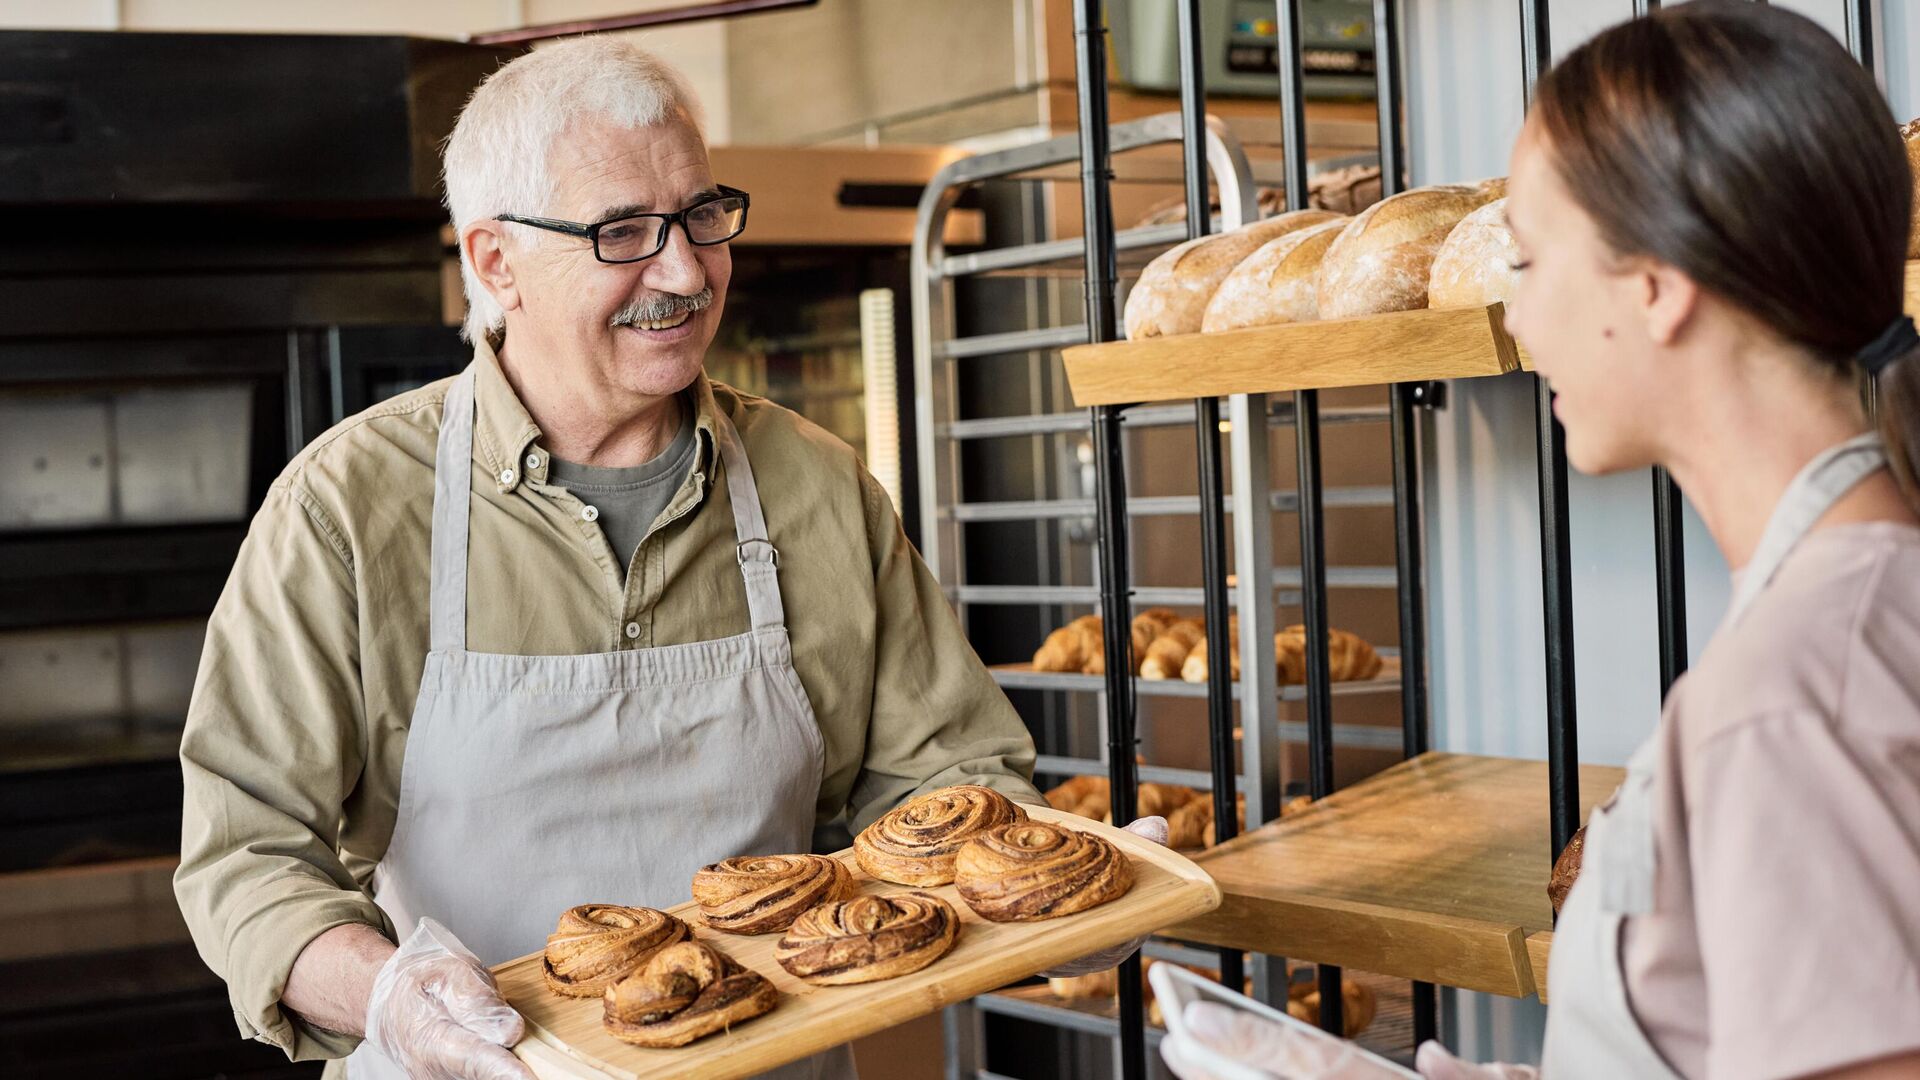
(1712, 205)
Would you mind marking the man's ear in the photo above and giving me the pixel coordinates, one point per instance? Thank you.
(1668, 300)
(485, 245)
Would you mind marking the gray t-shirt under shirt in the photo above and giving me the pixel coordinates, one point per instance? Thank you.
(629, 499)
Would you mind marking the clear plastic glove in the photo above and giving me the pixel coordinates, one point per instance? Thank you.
(1290, 1053)
(1147, 828)
(436, 1012)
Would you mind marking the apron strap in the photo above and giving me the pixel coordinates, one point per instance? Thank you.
(452, 495)
(1821, 483)
(759, 559)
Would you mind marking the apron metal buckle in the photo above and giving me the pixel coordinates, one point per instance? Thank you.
(740, 551)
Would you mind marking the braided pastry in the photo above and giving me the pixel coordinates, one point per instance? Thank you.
(596, 945)
(915, 844)
(868, 938)
(686, 991)
(758, 894)
(1034, 870)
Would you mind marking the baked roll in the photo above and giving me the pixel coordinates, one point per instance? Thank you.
(1383, 259)
(1076, 646)
(758, 894)
(915, 844)
(1157, 800)
(868, 938)
(597, 945)
(1086, 796)
(686, 991)
(1034, 870)
(1358, 1005)
(1349, 656)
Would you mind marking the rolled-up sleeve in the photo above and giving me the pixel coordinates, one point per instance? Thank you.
(274, 743)
(938, 716)
(1809, 926)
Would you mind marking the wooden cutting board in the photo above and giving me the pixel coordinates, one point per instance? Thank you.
(564, 1037)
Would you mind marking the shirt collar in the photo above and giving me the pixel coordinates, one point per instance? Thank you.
(505, 434)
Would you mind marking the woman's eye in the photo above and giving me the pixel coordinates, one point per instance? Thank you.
(1516, 267)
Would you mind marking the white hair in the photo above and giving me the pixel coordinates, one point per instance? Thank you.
(496, 158)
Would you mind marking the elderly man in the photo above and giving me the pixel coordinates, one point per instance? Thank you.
(561, 629)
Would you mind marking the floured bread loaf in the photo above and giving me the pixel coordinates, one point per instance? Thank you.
(1275, 284)
(1384, 258)
(1475, 267)
(1172, 293)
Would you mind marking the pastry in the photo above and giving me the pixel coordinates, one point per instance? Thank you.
(1188, 825)
(1157, 800)
(915, 844)
(1195, 668)
(1079, 791)
(1276, 284)
(758, 894)
(1172, 293)
(1074, 647)
(1094, 984)
(1566, 869)
(1910, 134)
(1358, 1005)
(1346, 190)
(1476, 265)
(686, 991)
(868, 938)
(596, 945)
(1035, 870)
(1349, 656)
(1166, 653)
(1383, 259)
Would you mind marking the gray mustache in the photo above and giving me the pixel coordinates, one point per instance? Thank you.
(666, 306)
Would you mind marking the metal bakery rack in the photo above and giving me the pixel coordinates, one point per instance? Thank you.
(1433, 870)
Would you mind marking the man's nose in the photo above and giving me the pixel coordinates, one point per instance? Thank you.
(676, 269)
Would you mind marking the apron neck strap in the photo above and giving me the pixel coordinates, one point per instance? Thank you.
(1820, 484)
(452, 493)
(759, 559)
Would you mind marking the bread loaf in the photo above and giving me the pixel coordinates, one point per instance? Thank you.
(1345, 191)
(1172, 293)
(1275, 284)
(1910, 134)
(1383, 259)
(1475, 267)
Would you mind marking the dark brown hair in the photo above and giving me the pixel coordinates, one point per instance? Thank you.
(1740, 143)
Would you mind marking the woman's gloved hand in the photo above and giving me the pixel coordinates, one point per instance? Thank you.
(1292, 1053)
(436, 1012)
(1148, 828)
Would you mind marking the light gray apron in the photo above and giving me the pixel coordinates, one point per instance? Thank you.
(1591, 1029)
(535, 783)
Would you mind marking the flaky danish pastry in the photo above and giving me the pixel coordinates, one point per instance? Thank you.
(868, 938)
(758, 894)
(1035, 870)
(596, 945)
(688, 990)
(915, 843)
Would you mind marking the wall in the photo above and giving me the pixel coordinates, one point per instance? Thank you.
(1464, 105)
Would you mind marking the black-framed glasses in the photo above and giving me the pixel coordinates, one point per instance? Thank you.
(714, 219)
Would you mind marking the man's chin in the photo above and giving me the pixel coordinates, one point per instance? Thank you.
(646, 367)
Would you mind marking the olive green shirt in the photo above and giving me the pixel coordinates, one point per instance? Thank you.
(294, 739)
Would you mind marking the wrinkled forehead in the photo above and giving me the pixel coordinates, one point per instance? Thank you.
(601, 169)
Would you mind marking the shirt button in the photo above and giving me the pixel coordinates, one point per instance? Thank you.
(633, 629)
(533, 461)
(591, 513)
(506, 476)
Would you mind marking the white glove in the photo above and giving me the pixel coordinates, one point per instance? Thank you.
(1147, 828)
(436, 1012)
(1292, 1053)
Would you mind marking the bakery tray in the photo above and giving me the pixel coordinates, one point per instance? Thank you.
(564, 1037)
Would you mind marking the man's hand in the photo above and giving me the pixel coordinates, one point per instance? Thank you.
(1222, 1032)
(1150, 828)
(436, 1012)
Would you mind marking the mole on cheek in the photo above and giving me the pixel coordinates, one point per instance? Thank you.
(1607, 333)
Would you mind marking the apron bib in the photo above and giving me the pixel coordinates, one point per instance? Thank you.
(532, 784)
(1591, 1030)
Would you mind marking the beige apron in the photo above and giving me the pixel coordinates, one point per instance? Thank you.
(535, 783)
(1591, 1029)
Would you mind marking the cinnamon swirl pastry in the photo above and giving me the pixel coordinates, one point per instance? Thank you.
(868, 938)
(688, 990)
(596, 945)
(915, 844)
(758, 894)
(1034, 870)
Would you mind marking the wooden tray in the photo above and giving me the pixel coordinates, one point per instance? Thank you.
(564, 1037)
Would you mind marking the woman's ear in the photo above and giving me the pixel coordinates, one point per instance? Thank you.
(485, 246)
(1668, 300)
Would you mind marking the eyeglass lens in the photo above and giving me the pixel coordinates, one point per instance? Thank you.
(633, 238)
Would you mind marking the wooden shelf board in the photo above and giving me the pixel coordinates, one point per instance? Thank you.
(1402, 346)
(1539, 944)
(1435, 869)
(1023, 676)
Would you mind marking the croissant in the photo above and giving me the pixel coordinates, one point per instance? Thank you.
(758, 894)
(1158, 800)
(916, 844)
(1072, 647)
(1034, 870)
(1187, 826)
(1147, 626)
(1358, 1005)
(1195, 667)
(596, 945)
(1096, 984)
(1349, 656)
(686, 991)
(868, 938)
(1082, 795)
